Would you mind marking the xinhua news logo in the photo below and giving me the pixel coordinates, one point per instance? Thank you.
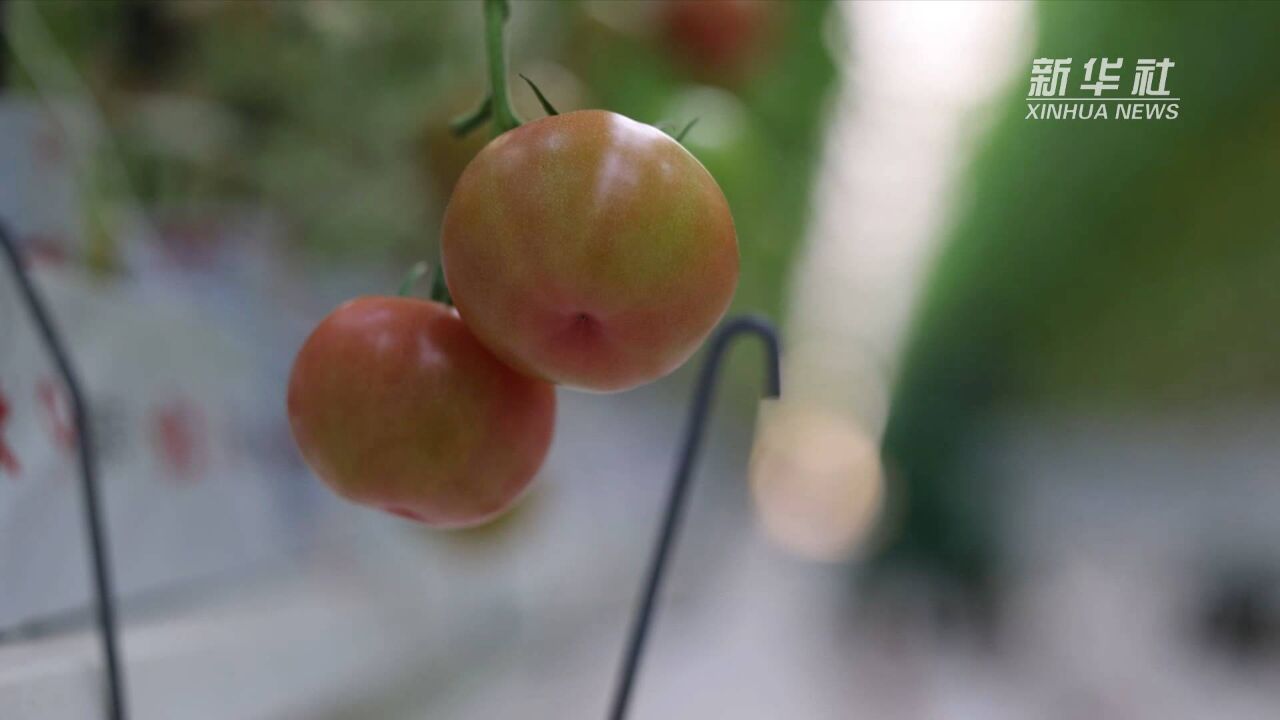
(1098, 96)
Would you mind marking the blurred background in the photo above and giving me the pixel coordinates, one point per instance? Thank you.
(1024, 465)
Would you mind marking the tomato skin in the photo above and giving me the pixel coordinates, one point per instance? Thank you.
(395, 405)
(590, 250)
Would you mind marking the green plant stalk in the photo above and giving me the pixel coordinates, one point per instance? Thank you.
(496, 13)
(412, 277)
(497, 107)
(464, 124)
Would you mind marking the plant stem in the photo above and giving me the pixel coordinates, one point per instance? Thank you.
(462, 125)
(495, 19)
(412, 277)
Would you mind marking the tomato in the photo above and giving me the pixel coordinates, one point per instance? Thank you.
(589, 249)
(395, 405)
(718, 40)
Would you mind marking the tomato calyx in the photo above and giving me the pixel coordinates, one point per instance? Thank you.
(496, 106)
(439, 290)
(547, 107)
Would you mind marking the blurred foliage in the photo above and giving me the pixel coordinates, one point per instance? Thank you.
(307, 107)
(332, 112)
(1100, 266)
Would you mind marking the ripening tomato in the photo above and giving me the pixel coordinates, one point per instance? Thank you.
(719, 40)
(395, 405)
(589, 249)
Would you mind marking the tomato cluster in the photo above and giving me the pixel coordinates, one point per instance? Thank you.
(583, 249)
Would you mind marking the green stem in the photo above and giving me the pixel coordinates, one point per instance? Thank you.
(495, 19)
(412, 277)
(462, 125)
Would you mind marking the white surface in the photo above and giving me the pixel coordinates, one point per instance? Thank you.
(198, 504)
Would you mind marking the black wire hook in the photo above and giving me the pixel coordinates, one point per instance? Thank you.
(642, 621)
(104, 598)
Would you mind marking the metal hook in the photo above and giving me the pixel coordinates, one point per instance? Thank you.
(104, 598)
(643, 618)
